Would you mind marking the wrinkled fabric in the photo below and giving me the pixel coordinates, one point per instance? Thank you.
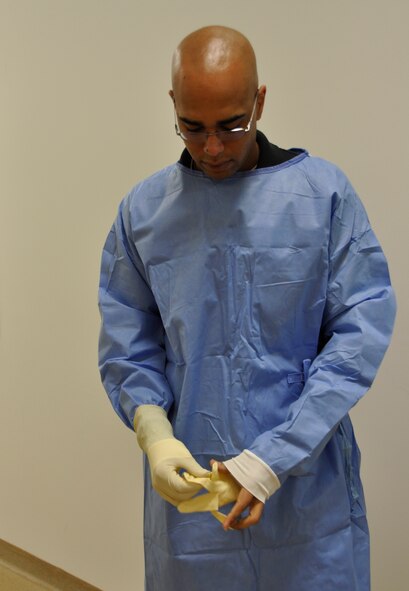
(255, 310)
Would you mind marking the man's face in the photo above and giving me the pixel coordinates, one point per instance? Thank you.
(203, 107)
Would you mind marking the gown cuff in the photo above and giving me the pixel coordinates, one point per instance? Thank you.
(253, 474)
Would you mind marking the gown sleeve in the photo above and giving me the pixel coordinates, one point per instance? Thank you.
(131, 345)
(356, 329)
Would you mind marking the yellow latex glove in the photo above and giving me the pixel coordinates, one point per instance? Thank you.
(222, 489)
(167, 455)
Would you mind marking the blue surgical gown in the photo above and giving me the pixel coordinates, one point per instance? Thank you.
(256, 311)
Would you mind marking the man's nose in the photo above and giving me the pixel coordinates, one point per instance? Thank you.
(213, 145)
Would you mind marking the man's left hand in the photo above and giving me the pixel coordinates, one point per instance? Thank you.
(245, 500)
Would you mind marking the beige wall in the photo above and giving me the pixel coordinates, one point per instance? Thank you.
(83, 116)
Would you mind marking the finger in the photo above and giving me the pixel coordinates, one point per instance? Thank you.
(243, 501)
(177, 494)
(220, 467)
(181, 485)
(167, 498)
(252, 518)
(193, 467)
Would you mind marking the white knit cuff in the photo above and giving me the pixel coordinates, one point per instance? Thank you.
(253, 474)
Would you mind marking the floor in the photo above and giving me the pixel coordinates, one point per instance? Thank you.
(12, 581)
(21, 571)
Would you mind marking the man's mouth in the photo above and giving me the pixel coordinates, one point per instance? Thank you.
(217, 165)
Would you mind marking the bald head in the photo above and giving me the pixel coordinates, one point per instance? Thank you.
(215, 90)
(214, 53)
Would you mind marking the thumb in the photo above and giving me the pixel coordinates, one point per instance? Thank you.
(194, 468)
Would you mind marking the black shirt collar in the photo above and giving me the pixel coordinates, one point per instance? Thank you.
(269, 154)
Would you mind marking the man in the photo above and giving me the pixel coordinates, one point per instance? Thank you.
(246, 307)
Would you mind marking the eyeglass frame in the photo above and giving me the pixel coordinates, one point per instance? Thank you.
(222, 135)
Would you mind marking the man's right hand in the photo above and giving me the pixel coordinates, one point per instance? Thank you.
(167, 456)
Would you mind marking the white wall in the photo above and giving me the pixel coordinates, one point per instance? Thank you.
(84, 115)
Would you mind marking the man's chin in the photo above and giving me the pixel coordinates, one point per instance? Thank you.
(218, 170)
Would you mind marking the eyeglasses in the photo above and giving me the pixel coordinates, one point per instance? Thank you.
(224, 135)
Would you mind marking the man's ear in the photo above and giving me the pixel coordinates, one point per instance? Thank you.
(260, 102)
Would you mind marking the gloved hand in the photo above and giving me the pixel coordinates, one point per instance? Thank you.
(167, 455)
(222, 487)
